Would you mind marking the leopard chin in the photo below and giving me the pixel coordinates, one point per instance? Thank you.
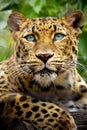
(45, 77)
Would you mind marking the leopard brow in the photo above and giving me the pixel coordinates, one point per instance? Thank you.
(28, 28)
(58, 27)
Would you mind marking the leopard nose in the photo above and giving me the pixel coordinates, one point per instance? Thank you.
(44, 57)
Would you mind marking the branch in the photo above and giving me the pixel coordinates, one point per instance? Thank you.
(80, 119)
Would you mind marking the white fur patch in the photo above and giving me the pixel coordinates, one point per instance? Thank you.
(45, 80)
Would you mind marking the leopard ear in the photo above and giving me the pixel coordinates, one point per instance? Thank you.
(15, 20)
(75, 19)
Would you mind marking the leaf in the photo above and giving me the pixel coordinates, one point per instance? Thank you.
(4, 4)
(37, 5)
(83, 43)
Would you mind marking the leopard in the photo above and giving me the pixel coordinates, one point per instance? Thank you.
(39, 82)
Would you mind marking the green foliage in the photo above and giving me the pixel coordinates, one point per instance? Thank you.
(40, 8)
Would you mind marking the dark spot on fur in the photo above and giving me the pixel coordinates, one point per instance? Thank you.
(47, 115)
(68, 121)
(40, 120)
(35, 108)
(1, 77)
(60, 121)
(74, 50)
(17, 108)
(62, 24)
(57, 109)
(35, 123)
(22, 83)
(51, 120)
(69, 42)
(83, 88)
(64, 124)
(75, 42)
(17, 54)
(63, 112)
(50, 27)
(28, 114)
(5, 87)
(34, 101)
(43, 104)
(33, 20)
(54, 27)
(23, 98)
(54, 19)
(25, 105)
(19, 113)
(2, 82)
(55, 115)
(50, 107)
(68, 117)
(70, 56)
(44, 127)
(44, 111)
(79, 79)
(19, 49)
(37, 115)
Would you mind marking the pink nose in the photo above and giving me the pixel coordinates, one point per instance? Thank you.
(44, 57)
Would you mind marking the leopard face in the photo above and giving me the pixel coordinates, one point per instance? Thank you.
(46, 46)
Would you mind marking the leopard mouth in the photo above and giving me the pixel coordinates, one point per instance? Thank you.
(45, 71)
(45, 77)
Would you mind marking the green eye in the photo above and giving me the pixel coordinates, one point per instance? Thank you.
(58, 36)
(30, 38)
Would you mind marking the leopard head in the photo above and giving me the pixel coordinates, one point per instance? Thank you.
(48, 46)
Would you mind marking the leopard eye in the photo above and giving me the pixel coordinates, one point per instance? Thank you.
(58, 36)
(30, 38)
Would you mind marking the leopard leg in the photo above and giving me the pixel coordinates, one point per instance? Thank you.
(44, 115)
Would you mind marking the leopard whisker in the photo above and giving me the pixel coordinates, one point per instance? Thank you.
(82, 57)
(84, 67)
(15, 73)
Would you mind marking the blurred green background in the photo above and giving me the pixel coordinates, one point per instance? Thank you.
(39, 8)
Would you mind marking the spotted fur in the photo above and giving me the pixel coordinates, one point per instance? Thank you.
(40, 79)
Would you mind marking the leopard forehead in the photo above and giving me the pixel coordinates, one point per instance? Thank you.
(45, 24)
